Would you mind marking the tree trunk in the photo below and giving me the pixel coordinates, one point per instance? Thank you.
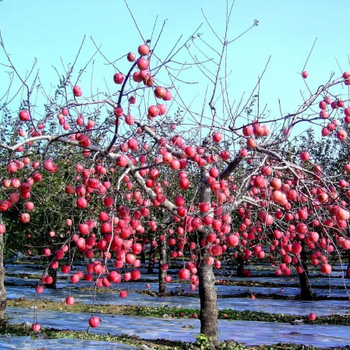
(240, 266)
(2, 278)
(207, 291)
(143, 257)
(208, 301)
(151, 257)
(162, 273)
(305, 287)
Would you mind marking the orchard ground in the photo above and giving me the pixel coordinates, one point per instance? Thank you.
(161, 322)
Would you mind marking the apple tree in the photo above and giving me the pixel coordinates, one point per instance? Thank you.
(217, 178)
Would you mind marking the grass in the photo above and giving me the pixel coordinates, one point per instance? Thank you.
(164, 311)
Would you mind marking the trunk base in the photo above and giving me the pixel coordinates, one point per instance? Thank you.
(2, 278)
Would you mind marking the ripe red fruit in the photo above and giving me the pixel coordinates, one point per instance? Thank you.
(225, 155)
(204, 207)
(25, 218)
(217, 137)
(184, 274)
(326, 269)
(131, 57)
(214, 172)
(24, 116)
(248, 130)
(133, 145)
(4, 205)
(215, 250)
(184, 183)
(36, 327)
(341, 213)
(296, 248)
(12, 168)
(83, 140)
(94, 321)
(2, 229)
(122, 161)
(153, 111)
(162, 109)
(312, 316)
(243, 152)
(160, 92)
(276, 183)
(108, 201)
(251, 143)
(232, 240)
(304, 74)
(182, 211)
(342, 135)
(167, 279)
(65, 269)
(30, 205)
(325, 132)
(304, 156)
(118, 111)
(137, 77)
(346, 75)
(190, 151)
(179, 201)
(142, 63)
(70, 300)
(77, 91)
(81, 203)
(135, 275)
(39, 289)
(143, 50)
(103, 216)
(168, 96)
(83, 229)
(324, 114)
(118, 78)
(129, 119)
(322, 105)
(48, 280)
(123, 294)
(54, 265)
(69, 189)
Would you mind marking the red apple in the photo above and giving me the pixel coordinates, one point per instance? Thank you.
(143, 50)
(77, 91)
(24, 116)
(94, 321)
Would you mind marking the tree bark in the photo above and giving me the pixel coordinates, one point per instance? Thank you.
(162, 273)
(207, 291)
(240, 266)
(151, 257)
(2, 278)
(208, 301)
(143, 257)
(305, 287)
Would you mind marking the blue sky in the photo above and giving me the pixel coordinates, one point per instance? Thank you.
(49, 30)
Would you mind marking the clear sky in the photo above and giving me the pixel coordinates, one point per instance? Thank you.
(50, 30)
